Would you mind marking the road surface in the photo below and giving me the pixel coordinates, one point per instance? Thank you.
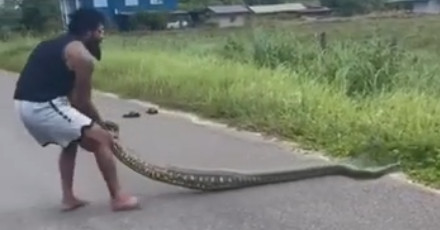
(29, 195)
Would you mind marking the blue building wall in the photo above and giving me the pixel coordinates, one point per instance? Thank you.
(108, 11)
(163, 5)
(115, 6)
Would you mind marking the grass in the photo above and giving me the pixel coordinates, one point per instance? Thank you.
(372, 92)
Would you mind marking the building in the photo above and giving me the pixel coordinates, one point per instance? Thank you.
(269, 9)
(113, 8)
(288, 10)
(226, 15)
(416, 6)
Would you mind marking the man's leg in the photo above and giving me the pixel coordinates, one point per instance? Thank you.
(58, 122)
(99, 141)
(67, 169)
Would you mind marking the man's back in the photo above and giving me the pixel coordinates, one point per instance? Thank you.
(45, 75)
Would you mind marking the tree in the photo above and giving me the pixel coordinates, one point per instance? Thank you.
(12, 4)
(41, 15)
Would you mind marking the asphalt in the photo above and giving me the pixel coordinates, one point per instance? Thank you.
(29, 194)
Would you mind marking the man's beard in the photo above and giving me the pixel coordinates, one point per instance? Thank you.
(95, 49)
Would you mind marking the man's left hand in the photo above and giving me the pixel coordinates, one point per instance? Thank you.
(112, 127)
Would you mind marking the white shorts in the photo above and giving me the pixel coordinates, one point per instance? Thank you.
(53, 122)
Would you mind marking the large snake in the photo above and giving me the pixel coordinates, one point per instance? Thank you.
(217, 180)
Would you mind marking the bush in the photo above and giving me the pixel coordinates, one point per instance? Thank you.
(40, 16)
(149, 20)
(5, 33)
(368, 67)
(351, 7)
(34, 16)
(9, 22)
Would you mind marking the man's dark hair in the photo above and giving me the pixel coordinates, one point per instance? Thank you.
(84, 20)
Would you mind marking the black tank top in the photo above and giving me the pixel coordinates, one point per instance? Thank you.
(45, 76)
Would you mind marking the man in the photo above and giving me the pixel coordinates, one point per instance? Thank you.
(53, 98)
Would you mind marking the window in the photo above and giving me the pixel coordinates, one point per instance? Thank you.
(131, 2)
(100, 3)
(156, 2)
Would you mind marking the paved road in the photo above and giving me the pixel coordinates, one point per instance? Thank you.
(29, 192)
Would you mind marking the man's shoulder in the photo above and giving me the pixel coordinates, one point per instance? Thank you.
(77, 55)
(54, 43)
(74, 46)
(76, 49)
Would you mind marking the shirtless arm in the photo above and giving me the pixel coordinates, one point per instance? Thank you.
(80, 61)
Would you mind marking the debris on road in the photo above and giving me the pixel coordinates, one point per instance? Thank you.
(152, 111)
(131, 114)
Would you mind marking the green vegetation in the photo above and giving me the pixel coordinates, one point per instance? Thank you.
(43, 16)
(373, 91)
(352, 7)
(30, 15)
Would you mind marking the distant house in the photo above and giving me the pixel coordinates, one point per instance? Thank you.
(113, 8)
(289, 10)
(268, 9)
(226, 15)
(416, 6)
(315, 10)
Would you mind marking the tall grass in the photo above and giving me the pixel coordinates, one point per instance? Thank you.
(370, 93)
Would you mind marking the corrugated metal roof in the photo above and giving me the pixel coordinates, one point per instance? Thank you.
(405, 1)
(275, 8)
(228, 9)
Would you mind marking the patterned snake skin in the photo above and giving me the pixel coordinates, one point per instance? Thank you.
(218, 180)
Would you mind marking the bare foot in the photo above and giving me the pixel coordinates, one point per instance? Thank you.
(73, 204)
(125, 203)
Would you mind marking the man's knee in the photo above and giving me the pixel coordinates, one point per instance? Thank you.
(95, 138)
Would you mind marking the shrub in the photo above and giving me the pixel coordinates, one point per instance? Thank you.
(149, 20)
(351, 7)
(40, 16)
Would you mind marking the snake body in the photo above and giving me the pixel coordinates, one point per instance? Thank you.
(218, 180)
